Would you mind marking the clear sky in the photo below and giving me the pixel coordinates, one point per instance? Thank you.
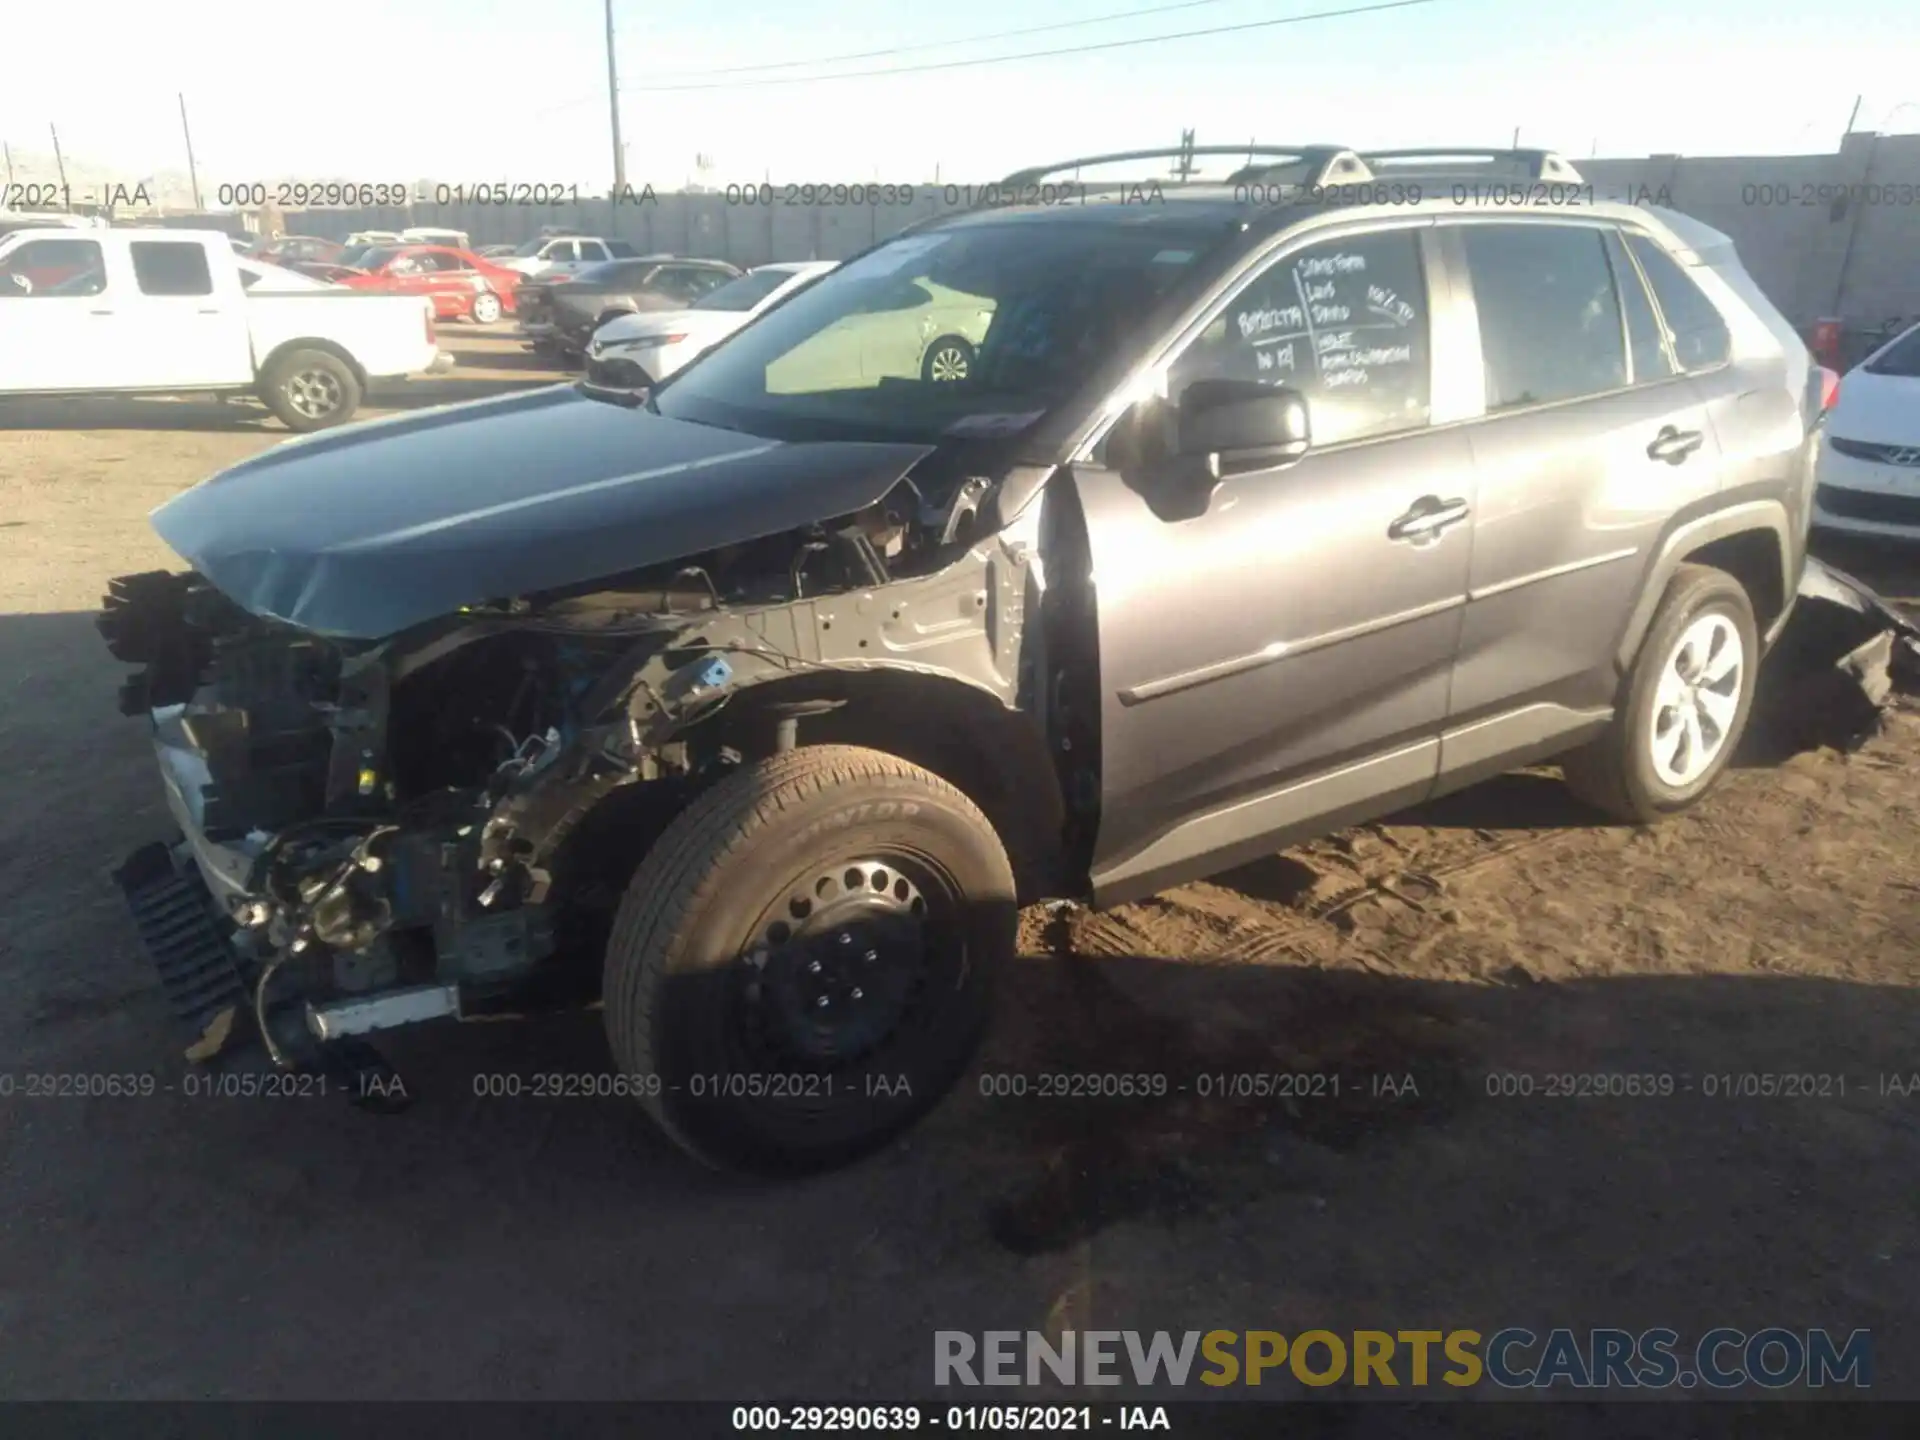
(516, 89)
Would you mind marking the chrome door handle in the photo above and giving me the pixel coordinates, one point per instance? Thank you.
(1427, 517)
(100, 312)
(1673, 444)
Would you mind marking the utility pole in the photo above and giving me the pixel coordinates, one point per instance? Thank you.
(1183, 166)
(1516, 139)
(1854, 116)
(60, 161)
(9, 150)
(613, 108)
(193, 171)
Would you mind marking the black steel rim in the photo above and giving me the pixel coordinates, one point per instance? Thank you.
(846, 961)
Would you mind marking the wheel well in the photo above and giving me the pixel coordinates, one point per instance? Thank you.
(1753, 558)
(996, 756)
(339, 353)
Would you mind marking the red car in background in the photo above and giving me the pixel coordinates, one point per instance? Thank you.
(460, 283)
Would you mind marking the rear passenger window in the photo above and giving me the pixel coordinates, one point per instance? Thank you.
(1699, 334)
(1344, 323)
(171, 268)
(1549, 319)
(1644, 343)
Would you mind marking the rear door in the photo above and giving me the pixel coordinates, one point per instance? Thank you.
(181, 316)
(1280, 662)
(1591, 439)
(56, 332)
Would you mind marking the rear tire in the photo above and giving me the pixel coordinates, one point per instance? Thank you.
(1683, 707)
(310, 389)
(802, 963)
(486, 308)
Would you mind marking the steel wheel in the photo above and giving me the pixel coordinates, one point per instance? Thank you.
(836, 965)
(486, 308)
(1696, 699)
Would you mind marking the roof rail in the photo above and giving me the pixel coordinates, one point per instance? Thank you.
(1530, 164)
(1314, 160)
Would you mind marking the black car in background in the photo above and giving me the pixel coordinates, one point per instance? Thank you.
(561, 312)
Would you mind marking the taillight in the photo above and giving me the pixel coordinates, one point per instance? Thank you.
(1829, 388)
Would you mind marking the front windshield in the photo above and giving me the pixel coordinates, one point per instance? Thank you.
(745, 293)
(1901, 359)
(371, 258)
(530, 249)
(975, 330)
(354, 256)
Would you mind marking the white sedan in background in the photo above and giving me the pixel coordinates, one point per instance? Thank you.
(1869, 467)
(639, 349)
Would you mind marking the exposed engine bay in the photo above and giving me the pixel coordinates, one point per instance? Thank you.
(439, 823)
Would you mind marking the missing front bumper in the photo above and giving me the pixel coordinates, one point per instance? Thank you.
(184, 934)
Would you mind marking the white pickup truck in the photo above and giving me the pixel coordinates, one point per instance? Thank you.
(174, 311)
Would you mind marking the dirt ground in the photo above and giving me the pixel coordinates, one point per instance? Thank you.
(177, 1247)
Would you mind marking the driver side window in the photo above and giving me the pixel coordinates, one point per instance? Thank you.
(55, 268)
(1344, 322)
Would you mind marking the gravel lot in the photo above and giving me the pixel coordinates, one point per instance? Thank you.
(291, 1249)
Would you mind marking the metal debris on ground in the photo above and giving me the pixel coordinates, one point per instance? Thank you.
(1833, 675)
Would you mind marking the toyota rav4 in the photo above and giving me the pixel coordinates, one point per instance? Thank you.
(754, 704)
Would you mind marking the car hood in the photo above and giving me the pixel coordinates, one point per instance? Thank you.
(669, 322)
(1877, 409)
(369, 530)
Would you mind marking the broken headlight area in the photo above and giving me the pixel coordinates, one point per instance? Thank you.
(374, 833)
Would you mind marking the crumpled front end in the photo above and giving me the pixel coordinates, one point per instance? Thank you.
(375, 832)
(321, 885)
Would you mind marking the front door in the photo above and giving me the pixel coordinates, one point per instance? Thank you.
(56, 328)
(1279, 663)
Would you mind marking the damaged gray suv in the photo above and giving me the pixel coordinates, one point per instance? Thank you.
(754, 705)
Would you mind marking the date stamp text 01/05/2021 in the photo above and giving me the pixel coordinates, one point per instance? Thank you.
(1286, 1087)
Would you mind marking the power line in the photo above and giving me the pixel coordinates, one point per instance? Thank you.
(1038, 54)
(935, 44)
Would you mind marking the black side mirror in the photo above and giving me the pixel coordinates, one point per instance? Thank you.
(1233, 427)
(15, 285)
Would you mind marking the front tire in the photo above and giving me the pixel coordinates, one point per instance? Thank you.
(310, 390)
(486, 308)
(802, 964)
(1684, 707)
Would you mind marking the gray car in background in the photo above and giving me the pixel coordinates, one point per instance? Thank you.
(754, 703)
